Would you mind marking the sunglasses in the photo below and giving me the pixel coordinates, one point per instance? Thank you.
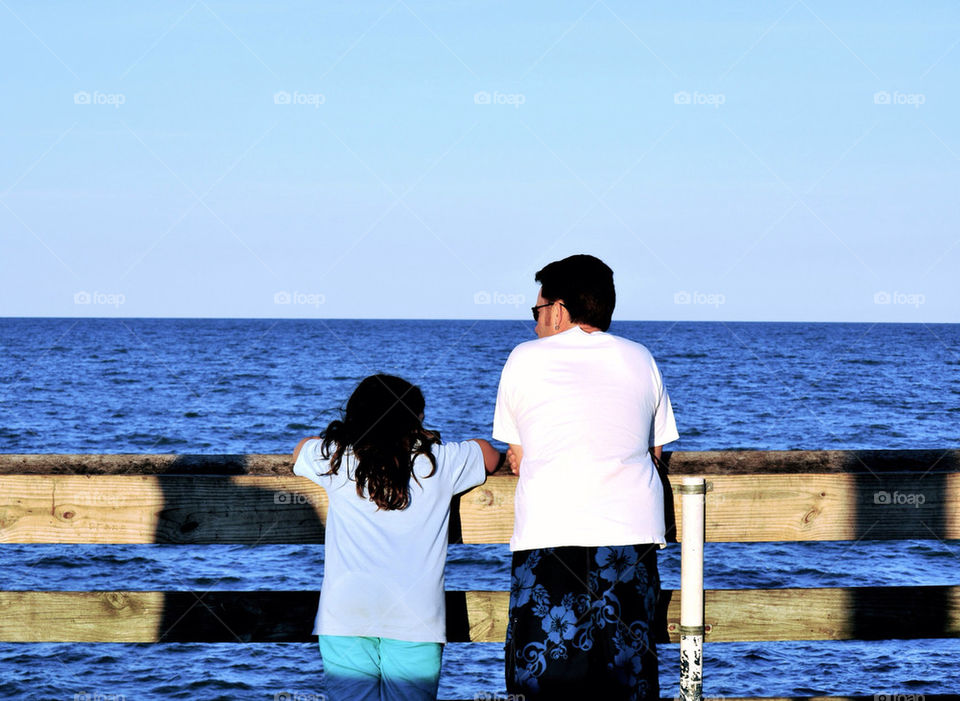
(536, 309)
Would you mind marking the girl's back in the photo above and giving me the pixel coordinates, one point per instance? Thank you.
(382, 619)
(383, 571)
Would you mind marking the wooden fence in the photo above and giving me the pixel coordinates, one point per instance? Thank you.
(752, 496)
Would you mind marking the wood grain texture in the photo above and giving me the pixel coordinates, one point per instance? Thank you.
(249, 509)
(833, 506)
(263, 509)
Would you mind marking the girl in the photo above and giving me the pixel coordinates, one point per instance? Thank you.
(381, 620)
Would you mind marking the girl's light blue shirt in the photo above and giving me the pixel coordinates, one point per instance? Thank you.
(383, 570)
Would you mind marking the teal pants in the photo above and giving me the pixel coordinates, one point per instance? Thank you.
(379, 669)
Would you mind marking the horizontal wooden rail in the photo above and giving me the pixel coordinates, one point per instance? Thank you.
(862, 613)
(265, 509)
(729, 462)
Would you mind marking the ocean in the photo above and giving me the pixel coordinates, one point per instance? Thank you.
(79, 385)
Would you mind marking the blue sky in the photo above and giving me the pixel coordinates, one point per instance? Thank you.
(731, 161)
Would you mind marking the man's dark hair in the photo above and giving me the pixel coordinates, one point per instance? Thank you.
(585, 284)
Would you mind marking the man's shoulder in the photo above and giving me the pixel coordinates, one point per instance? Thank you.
(538, 347)
(630, 346)
(526, 349)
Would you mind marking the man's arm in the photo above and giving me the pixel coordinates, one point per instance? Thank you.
(657, 452)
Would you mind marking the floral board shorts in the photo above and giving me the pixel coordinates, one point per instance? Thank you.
(581, 623)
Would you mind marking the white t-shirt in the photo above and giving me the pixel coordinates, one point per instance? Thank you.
(585, 408)
(383, 570)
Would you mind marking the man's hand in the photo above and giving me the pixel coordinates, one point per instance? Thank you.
(656, 452)
(514, 456)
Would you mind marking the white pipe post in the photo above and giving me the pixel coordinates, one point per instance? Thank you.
(692, 493)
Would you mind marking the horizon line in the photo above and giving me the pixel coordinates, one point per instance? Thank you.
(530, 321)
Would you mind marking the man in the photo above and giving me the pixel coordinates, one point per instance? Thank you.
(582, 411)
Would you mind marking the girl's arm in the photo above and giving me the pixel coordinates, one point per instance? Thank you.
(492, 458)
(296, 451)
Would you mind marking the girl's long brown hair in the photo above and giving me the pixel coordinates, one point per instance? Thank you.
(382, 427)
